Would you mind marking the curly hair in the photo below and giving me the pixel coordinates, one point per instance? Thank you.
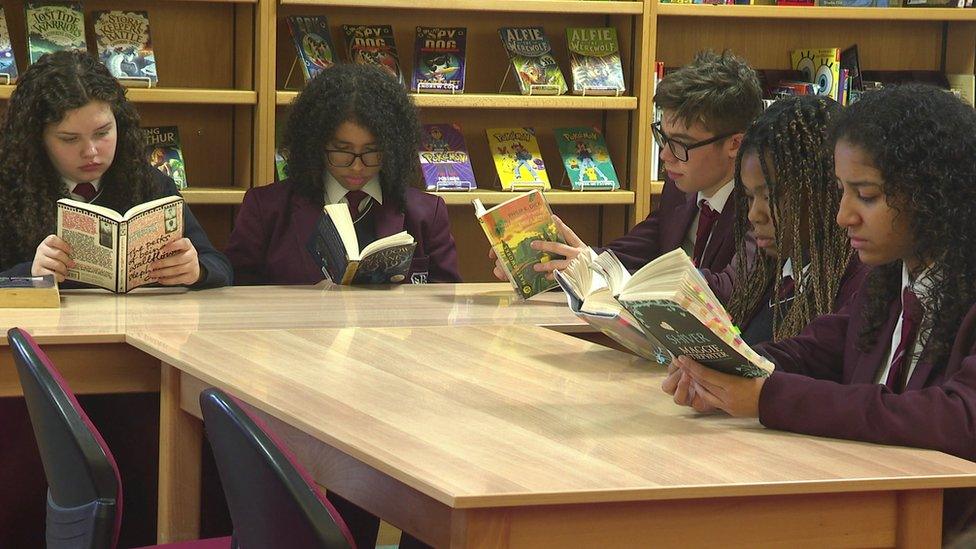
(369, 97)
(792, 135)
(30, 184)
(920, 139)
(720, 91)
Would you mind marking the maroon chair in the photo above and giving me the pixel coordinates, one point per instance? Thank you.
(273, 501)
(84, 499)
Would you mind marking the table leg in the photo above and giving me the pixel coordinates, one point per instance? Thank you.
(180, 439)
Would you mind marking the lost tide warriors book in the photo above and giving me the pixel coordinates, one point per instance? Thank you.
(335, 247)
(29, 292)
(116, 251)
(438, 60)
(165, 152)
(511, 227)
(444, 159)
(373, 45)
(594, 60)
(125, 46)
(821, 67)
(8, 64)
(313, 43)
(54, 26)
(517, 158)
(586, 159)
(536, 70)
(674, 306)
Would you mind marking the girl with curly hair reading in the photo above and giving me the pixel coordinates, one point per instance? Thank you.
(70, 132)
(897, 365)
(352, 138)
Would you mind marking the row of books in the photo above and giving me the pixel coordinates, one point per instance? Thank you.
(122, 39)
(440, 60)
(836, 3)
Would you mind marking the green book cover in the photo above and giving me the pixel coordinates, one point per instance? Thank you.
(586, 159)
(54, 26)
(594, 59)
(536, 70)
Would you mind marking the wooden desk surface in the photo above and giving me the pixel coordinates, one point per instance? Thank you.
(95, 316)
(509, 415)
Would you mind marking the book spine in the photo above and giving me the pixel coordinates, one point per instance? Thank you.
(121, 258)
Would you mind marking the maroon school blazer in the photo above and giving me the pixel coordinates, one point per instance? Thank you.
(267, 245)
(665, 229)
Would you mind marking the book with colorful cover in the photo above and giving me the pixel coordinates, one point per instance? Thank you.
(821, 67)
(530, 52)
(124, 46)
(444, 159)
(8, 63)
(373, 45)
(165, 152)
(518, 161)
(439, 60)
(586, 159)
(511, 227)
(594, 59)
(313, 43)
(54, 26)
(281, 164)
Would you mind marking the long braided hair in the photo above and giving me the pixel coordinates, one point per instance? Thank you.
(791, 142)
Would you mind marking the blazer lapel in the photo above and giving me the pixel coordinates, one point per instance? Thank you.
(389, 220)
(673, 232)
(304, 217)
(868, 364)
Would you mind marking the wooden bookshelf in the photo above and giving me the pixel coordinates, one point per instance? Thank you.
(505, 101)
(514, 6)
(213, 195)
(816, 12)
(554, 197)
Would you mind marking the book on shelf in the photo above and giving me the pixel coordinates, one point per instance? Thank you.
(586, 159)
(373, 45)
(124, 44)
(444, 159)
(673, 305)
(511, 227)
(281, 164)
(530, 53)
(166, 153)
(8, 62)
(335, 248)
(26, 292)
(115, 251)
(313, 43)
(594, 60)
(518, 161)
(439, 60)
(821, 66)
(54, 26)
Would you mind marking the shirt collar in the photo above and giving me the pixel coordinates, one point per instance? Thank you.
(921, 286)
(335, 193)
(72, 184)
(717, 201)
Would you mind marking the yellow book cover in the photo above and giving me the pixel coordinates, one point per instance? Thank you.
(517, 158)
(820, 66)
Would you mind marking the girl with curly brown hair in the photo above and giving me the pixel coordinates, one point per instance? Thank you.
(69, 131)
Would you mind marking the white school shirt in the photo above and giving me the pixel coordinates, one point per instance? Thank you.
(717, 203)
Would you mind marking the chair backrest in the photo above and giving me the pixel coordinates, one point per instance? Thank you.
(84, 503)
(273, 501)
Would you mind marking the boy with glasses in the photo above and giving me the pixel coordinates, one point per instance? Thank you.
(707, 106)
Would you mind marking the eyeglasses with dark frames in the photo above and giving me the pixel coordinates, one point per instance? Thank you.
(344, 159)
(679, 149)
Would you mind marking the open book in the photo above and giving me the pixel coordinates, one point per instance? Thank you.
(335, 247)
(667, 300)
(115, 251)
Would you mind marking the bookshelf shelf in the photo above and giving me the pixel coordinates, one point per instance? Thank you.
(815, 12)
(505, 101)
(213, 195)
(555, 197)
(536, 6)
(178, 95)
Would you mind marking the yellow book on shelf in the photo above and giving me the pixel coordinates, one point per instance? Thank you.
(517, 158)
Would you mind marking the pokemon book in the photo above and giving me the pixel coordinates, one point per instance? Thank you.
(585, 157)
(444, 159)
(517, 159)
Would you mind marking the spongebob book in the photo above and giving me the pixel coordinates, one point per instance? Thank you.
(821, 67)
(373, 45)
(444, 159)
(439, 60)
(313, 43)
(54, 26)
(594, 59)
(125, 46)
(517, 158)
(8, 64)
(536, 70)
(511, 227)
(165, 152)
(586, 159)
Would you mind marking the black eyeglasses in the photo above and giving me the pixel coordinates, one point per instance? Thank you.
(679, 149)
(344, 159)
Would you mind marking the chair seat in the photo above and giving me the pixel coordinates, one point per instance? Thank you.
(211, 543)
